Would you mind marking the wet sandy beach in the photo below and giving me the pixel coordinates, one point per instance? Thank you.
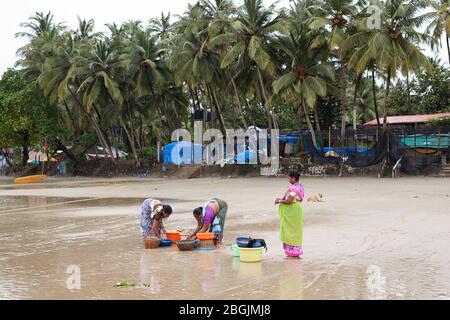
(369, 239)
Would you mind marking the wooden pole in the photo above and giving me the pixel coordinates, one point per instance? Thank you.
(159, 152)
(439, 138)
(43, 164)
(45, 155)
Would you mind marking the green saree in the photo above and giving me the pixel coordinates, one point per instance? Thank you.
(291, 224)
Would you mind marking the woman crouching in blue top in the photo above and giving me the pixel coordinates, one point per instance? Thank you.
(211, 218)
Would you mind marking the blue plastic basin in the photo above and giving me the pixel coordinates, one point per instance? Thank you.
(257, 244)
(166, 243)
(242, 242)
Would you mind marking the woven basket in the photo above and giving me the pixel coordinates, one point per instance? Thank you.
(186, 245)
(151, 243)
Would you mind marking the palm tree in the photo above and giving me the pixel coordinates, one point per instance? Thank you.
(307, 73)
(114, 29)
(41, 31)
(193, 62)
(395, 46)
(162, 27)
(364, 101)
(86, 29)
(440, 24)
(98, 65)
(53, 76)
(60, 79)
(137, 82)
(338, 15)
(150, 73)
(33, 54)
(47, 58)
(253, 32)
(220, 37)
(38, 24)
(145, 56)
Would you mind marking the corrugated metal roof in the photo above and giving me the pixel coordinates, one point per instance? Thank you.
(417, 118)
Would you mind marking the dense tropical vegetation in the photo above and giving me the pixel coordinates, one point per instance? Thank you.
(314, 65)
(26, 117)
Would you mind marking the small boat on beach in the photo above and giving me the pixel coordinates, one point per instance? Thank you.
(31, 179)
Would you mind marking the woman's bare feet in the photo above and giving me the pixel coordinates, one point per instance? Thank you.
(292, 258)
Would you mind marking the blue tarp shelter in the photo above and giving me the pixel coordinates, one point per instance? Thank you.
(183, 152)
(243, 158)
(289, 139)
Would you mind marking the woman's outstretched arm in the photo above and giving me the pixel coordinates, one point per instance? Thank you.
(155, 228)
(197, 230)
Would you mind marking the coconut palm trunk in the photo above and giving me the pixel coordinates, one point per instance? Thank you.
(130, 139)
(298, 113)
(216, 105)
(343, 104)
(316, 118)
(355, 101)
(101, 137)
(447, 37)
(175, 123)
(238, 101)
(308, 121)
(250, 113)
(219, 109)
(133, 130)
(194, 100)
(25, 145)
(270, 120)
(160, 106)
(375, 103)
(234, 118)
(127, 132)
(73, 119)
(408, 89)
(114, 141)
(386, 96)
(166, 113)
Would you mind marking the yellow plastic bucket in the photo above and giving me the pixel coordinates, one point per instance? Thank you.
(251, 254)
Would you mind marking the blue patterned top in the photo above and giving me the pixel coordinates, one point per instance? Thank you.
(148, 213)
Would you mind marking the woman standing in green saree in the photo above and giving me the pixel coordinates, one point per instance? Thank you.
(291, 217)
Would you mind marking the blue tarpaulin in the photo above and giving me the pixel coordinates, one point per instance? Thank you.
(183, 152)
(348, 151)
(243, 158)
(289, 139)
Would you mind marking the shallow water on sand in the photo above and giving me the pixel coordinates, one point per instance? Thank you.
(350, 252)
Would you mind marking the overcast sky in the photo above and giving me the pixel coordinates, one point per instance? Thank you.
(103, 11)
